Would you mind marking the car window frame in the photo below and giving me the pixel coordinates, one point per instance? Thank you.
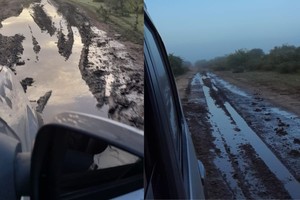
(170, 77)
(180, 118)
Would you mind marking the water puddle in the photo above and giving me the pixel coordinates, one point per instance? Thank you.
(231, 132)
(227, 85)
(285, 114)
(48, 67)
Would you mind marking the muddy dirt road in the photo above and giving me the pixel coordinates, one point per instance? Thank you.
(250, 148)
(55, 48)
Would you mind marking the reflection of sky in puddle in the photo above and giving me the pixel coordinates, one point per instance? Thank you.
(223, 131)
(51, 71)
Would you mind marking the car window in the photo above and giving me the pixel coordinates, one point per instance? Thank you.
(165, 88)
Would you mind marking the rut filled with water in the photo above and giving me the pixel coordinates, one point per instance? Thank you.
(52, 50)
(234, 137)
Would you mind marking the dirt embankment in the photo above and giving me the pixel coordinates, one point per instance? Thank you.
(113, 71)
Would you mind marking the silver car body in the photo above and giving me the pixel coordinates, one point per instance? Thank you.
(17, 117)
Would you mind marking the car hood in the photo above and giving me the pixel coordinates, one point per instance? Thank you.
(16, 112)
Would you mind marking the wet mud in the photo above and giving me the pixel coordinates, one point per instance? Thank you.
(42, 19)
(276, 127)
(27, 82)
(15, 9)
(197, 116)
(10, 50)
(112, 71)
(234, 152)
(42, 101)
(65, 42)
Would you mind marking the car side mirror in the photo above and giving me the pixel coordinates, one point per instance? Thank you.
(84, 157)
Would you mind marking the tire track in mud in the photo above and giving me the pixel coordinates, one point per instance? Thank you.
(271, 183)
(113, 76)
(65, 42)
(243, 174)
(41, 18)
(196, 113)
(277, 128)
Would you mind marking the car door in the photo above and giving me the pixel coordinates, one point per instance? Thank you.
(171, 166)
(163, 128)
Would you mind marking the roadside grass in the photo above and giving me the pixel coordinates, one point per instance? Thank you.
(122, 24)
(282, 83)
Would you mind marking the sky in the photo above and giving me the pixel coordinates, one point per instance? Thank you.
(204, 29)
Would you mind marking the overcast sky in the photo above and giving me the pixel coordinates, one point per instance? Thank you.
(204, 29)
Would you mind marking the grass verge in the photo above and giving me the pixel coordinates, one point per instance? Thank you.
(121, 24)
(281, 83)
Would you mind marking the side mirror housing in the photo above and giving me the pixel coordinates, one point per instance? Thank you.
(85, 157)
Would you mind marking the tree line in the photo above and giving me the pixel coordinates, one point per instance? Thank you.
(121, 8)
(283, 59)
(179, 66)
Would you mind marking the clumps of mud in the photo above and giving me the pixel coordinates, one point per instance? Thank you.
(218, 96)
(26, 82)
(77, 18)
(274, 187)
(10, 50)
(296, 140)
(36, 46)
(281, 129)
(42, 19)
(65, 43)
(42, 101)
(295, 153)
(113, 76)
(10, 8)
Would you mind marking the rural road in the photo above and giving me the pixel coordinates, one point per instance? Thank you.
(250, 148)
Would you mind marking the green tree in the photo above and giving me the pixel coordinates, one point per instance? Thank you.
(283, 59)
(136, 6)
(103, 12)
(177, 65)
(115, 6)
(201, 64)
(238, 60)
(254, 59)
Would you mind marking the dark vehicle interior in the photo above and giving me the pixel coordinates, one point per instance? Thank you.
(65, 172)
